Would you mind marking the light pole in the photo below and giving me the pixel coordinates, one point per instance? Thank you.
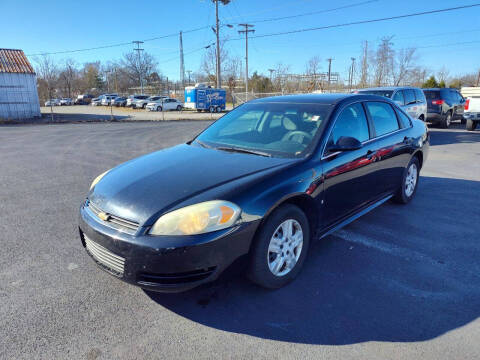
(139, 65)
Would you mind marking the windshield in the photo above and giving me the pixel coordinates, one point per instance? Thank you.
(384, 93)
(273, 129)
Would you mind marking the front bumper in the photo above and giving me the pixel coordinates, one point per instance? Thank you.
(167, 263)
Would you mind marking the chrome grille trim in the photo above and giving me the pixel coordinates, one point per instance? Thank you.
(125, 225)
(105, 257)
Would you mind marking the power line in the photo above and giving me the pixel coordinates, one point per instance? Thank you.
(363, 21)
(315, 12)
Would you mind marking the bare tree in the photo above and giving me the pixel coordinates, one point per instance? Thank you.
(313, 70)
(138, 67)
(209, 61)
(68, 77)
(364, 66)
(442, 74)
(47, 71)
(383, 61)
(281, 81)
(404, 63)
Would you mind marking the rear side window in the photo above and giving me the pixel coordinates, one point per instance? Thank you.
(404, 119)
(351, 122)
(383, 117)
(419, 95)
(432, 94)
(398, 98)
(409, 96)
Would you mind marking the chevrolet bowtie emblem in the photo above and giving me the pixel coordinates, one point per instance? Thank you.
(103, 216)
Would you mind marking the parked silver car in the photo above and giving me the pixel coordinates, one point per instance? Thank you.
(411, 99)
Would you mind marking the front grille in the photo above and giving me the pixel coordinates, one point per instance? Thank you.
(114, 221)
(177, 278)
(113, 263)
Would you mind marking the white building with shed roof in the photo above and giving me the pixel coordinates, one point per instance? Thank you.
(18, 86)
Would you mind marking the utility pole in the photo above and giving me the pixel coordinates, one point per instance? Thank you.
(329, 71)
(116, 80)
(189, 72)
(478, 78)
(217, 33)
(351, 74)
(182, 65)
(137, 49)
(364, 74)
(246, 31)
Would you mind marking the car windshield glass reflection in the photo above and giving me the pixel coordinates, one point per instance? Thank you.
(273, 129)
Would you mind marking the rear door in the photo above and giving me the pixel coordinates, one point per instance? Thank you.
(390, 145)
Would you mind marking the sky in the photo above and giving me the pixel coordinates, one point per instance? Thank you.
(449, 39)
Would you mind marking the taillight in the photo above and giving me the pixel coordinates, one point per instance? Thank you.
(437, 102)
(467, 104)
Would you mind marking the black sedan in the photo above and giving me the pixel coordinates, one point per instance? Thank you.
(263, 181)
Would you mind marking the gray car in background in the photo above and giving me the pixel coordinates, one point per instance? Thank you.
(410, 99)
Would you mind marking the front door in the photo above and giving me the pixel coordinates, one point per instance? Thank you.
(349, 180)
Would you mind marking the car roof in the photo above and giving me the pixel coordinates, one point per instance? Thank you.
(438, 89)
(325, 99)
(388, 88)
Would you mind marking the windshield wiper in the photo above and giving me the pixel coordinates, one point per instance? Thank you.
(242, 150)
(202, 144)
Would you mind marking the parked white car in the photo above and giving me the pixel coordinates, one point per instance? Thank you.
(133, 98)
(108, 98)
(97, 101)
(165, 104)
(66, 101)
(52, 102)
(471, 112)
(142, 103)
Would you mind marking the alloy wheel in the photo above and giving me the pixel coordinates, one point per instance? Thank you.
(285, 247)
(411, 180)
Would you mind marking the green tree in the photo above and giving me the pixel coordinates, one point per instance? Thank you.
(430, 83)
(442, 84)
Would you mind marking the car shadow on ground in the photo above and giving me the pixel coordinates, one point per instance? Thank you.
(398, 274)
(447, 136)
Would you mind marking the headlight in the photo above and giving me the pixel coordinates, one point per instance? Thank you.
(197, 219)
(98, 178)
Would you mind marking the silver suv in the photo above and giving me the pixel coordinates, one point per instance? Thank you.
(410, 99)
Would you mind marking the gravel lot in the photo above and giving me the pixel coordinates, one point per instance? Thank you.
(82, 113)
(402, 282)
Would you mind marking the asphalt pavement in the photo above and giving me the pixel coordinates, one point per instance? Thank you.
(402, 282)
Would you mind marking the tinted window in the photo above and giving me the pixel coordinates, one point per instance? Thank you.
(409, 96)
(351, 122)
(419, 95)
(398, 98)
(384, 93)
(383, 117)
(404, 119)
(432, 94)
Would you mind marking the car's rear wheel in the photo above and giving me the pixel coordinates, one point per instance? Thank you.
(159, 108)
(471, 125)
(211, 109)
(446, 121)
(409, 184)
(179, 108)
(280, 248)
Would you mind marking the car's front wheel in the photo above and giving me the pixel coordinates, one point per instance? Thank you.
(280, 248)
(447, 120)
(409, 184)
(159, 108)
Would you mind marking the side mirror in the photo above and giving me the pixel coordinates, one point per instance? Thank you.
(345, 143)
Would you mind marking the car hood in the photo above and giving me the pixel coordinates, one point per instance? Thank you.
(142, 188)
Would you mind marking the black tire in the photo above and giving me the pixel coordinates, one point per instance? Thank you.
(179, 108)
(471, 125)
(258, 269)
(159, 108)
(199, 110)
(211, 109)
(143, 106)
(446, 121)
(401, 196)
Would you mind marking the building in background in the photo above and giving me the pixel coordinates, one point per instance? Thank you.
(18, 86)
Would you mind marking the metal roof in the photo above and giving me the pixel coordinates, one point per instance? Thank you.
(14, 61)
